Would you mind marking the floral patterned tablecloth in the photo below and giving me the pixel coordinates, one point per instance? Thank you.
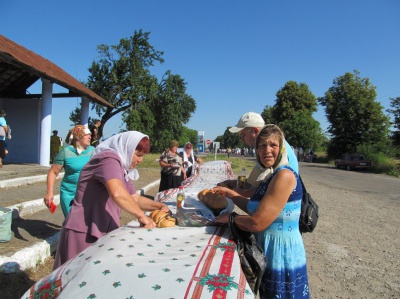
(133, 262)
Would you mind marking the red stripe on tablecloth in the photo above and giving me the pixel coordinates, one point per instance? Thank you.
(225, 268)
(215, 239)
(242, 278)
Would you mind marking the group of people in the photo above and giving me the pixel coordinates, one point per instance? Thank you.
(271, 197)
(177, 167)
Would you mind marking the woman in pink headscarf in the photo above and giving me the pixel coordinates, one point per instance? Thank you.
(72, 158)
(104, 189)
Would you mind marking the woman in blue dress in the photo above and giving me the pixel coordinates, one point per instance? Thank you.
(274, 211)
(72, 158)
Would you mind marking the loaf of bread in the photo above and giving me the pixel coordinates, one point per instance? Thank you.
(213, 200)
(162, 219)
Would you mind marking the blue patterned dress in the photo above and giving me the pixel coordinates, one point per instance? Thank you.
(286, 272)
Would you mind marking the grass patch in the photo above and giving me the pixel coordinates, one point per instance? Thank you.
(237, 163)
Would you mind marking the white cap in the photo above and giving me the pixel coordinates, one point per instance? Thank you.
(248, 120)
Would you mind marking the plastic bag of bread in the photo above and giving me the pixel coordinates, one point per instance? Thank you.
(215, 201)
(162, 219)
(195, 213)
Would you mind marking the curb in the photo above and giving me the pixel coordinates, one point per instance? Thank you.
(30, 257)
(26, 180)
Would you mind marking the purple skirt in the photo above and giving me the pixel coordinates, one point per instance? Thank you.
(70, 244)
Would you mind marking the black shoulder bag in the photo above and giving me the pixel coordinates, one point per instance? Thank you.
(251, 255)
(309, 212)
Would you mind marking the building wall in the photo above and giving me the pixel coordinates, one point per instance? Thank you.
(23, 116)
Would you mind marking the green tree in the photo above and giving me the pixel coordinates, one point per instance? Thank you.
(291, 98)
(267, 115)
(161, 115)
(121, 75)
(188, 135)
(303, 130)
(231, 140)
(395, 104)
(292, 111)
(356, 119)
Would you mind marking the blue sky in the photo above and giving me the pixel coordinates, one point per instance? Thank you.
(234, 55)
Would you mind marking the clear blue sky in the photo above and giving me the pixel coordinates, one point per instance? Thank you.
(234, 55)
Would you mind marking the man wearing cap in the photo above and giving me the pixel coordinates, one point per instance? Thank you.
(248, 126)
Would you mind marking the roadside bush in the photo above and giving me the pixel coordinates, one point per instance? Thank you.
(383, 164)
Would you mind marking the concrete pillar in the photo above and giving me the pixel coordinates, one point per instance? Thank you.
(85, 111)
(45, 123)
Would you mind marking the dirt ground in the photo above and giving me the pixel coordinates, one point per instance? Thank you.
(353, 253)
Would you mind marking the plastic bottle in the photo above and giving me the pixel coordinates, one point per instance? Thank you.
(180, 197)
(241, 178)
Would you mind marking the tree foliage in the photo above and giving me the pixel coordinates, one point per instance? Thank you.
(302, 130)
(356, 118)
(161, 114)
(292, 111)
(188, 135)
(229, 139)
(121, 74)
(395, 104)
(291, 98)
(267, 115)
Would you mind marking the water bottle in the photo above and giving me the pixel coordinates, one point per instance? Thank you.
(241, 179)
(180, 197)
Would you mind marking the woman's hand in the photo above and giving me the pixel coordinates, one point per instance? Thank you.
(146, 222)
(231, 184)
(223, 218)
(48, 199)
(164, 208)
(224, 191)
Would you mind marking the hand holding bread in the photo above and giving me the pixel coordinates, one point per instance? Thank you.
(162, 219)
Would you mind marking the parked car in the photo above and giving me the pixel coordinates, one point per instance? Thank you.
(352, 161)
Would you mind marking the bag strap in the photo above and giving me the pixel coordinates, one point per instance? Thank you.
(232, 225)
(302, 184)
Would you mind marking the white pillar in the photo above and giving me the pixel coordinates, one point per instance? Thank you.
(85, 112)
(45, 123)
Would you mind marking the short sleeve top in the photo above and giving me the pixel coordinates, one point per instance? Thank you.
(3, 123)
(93, 211)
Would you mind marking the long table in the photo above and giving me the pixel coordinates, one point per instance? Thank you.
(176, 262)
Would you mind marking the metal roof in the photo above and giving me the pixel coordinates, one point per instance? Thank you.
(20, 68)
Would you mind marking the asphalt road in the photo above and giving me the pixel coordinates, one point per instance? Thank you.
(358, 180)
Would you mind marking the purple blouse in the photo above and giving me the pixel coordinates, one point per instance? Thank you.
(93, 211)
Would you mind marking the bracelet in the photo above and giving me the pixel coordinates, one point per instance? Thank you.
(232, 217)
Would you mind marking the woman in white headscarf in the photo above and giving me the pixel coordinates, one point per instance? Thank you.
(104, 188)
(190, 161)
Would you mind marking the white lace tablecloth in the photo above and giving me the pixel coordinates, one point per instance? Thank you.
(133, 262)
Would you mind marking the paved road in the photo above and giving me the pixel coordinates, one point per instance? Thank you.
(359, 181)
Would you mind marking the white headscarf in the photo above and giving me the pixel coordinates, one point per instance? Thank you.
(282, 160)
(185, 158)
(124, 144)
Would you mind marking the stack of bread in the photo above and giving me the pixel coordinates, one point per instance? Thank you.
(162, 219)
(213, 200)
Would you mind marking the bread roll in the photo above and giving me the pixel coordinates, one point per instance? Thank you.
(213, 200)
(162, 219)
